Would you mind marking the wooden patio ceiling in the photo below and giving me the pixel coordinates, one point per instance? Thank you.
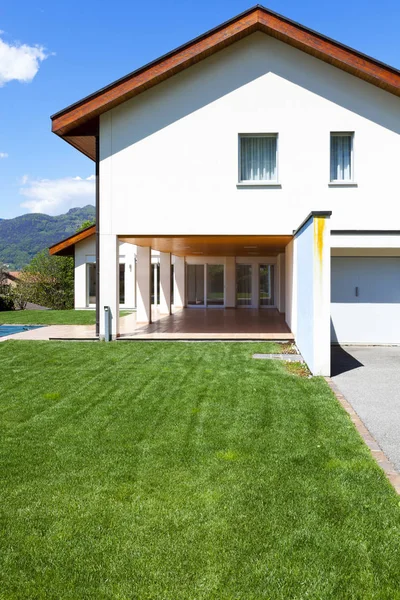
(213, 245)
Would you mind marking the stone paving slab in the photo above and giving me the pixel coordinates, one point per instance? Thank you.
(287, 357)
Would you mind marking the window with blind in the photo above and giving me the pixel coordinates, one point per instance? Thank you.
(341, 157)
(258, 158)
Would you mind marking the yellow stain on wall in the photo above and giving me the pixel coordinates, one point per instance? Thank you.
(319, 228)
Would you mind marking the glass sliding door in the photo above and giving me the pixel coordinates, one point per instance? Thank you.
(195, 285)
(243, 285)
(215, 285)
(267, 285)
(122, 283)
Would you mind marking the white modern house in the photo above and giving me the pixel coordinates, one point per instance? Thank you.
(257, 167)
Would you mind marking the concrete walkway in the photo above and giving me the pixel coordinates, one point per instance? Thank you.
(48, 332)
(369, 378)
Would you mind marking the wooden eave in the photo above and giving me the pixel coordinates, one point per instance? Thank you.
(66, 247)
(78, 123)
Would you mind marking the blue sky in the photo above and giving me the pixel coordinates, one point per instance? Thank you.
(54, 53)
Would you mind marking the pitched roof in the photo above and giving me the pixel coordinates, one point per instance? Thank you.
(66, 247)
(78, 123)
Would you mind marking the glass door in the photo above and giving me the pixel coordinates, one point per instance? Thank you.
(122, 283)
(195, 285)
(215, 285)
(266, 285)
(243, 285)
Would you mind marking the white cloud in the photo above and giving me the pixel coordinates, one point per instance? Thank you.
(19, 61)
(3, 154)
(57, 196)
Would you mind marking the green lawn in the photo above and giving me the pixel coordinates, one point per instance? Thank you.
(184, 471)
(50, 317)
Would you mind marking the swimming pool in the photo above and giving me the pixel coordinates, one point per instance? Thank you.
(11, 329)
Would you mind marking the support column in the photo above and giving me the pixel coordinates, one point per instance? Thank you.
(165, 283)
(143, 285)
(230, 282)
(280, 283)
(134, 281)
(179, 282)
(81, 282)
(155, 283)
(109, 281)
(255, 285)
(291, 286)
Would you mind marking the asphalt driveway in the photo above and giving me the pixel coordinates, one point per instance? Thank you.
(369, 378)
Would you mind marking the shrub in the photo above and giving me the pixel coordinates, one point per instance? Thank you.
(6, 302)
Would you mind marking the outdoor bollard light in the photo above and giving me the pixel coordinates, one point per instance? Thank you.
(107, 324)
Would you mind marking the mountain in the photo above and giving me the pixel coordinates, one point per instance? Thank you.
(23, 237)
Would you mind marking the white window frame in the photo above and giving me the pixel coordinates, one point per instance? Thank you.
(253, 182)
(338, 182)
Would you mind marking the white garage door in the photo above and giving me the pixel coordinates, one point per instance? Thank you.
(365, 301)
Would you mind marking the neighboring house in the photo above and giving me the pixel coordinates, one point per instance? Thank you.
(12, 278)
(261, 159)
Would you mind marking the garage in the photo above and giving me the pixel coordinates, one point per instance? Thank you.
(365, 300)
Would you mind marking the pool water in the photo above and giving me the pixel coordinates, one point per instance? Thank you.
(11, 329)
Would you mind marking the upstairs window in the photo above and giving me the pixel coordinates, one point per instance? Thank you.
(258, 158)
(341, 157)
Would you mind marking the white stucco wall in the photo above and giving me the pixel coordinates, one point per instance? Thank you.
(172, 152)
(305, 286)
(366, 241)
(308, 296)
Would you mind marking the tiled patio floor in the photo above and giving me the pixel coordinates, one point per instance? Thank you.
(212, 323)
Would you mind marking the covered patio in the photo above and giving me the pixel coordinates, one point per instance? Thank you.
(206, 324)
(209, 271)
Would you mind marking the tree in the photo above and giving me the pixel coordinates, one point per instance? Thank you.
(50, 280)
(6, 300)
(3, 277)
(21, 291)
(84, 225)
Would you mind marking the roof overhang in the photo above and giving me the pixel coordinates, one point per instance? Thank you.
(66, 247)
(78, 124)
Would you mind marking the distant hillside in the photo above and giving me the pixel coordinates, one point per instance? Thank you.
(23, 237)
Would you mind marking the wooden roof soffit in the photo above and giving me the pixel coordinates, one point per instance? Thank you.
(66, 247)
